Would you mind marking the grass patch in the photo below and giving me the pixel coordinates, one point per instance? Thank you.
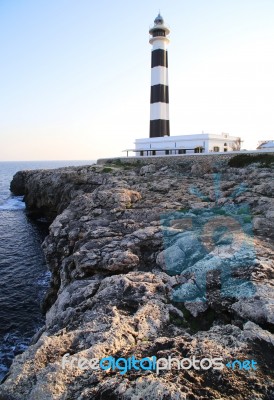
(107, 169)
(177, 321)
(121, 164)
(202, 323)
(242, 160)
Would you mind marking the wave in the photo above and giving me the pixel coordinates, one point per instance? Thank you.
(44, 280)
(12, 344)
(13, 203)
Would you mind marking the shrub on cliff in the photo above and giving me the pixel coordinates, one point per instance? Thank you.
(242, 160)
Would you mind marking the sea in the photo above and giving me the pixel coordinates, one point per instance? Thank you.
(24, 277)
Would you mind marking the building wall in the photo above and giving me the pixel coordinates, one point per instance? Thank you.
(188, 142)
(173, 160)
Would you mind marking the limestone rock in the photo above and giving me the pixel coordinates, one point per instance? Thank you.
(140, 267)
(148, 169)
(200, 168)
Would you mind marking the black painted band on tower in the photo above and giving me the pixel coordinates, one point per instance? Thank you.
(159, 58)
(159, 93)
(159, 125)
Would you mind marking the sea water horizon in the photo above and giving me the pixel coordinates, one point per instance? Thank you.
(24, 275)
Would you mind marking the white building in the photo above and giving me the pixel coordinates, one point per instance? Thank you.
(186, 144)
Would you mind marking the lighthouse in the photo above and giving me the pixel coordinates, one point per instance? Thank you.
(159, 142)
(159, 97)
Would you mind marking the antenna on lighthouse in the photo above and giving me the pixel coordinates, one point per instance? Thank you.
(159, 96)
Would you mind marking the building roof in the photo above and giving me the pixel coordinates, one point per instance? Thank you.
(159, 23)
(159, 20)
(200, 136)
(266, 144)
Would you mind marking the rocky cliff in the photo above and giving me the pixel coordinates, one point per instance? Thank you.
(152, 260)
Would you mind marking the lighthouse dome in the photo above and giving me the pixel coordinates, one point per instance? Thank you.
(159, 29)
(159, 20)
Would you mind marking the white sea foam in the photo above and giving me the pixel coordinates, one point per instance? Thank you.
(44, 279)
(11, 345)
(13, 203)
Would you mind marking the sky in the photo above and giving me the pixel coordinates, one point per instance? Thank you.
(75, 74)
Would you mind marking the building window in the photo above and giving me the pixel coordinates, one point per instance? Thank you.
(225, 149)
(216, 149)
(198, 149)
(141, 153)
(166, 152)
(182, 151)
(225, 144)
(154, 152)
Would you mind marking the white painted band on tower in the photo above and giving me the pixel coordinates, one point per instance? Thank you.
(159, 75)
(159, 111)
(159, 43)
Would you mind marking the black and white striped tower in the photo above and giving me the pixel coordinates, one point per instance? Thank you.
(159, 98)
